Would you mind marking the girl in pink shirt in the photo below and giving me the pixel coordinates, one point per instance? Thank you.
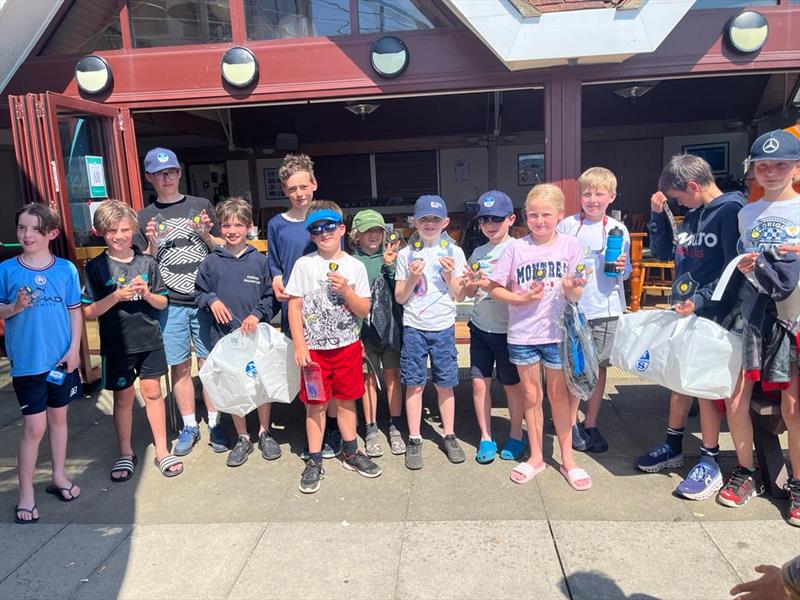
(536, 277)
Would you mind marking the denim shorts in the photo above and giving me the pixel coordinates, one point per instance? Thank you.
(488, 351)
(180, 328)
(530, 354)
(418, 345)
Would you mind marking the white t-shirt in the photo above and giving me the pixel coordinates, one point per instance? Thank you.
(430, 306)
(489, 315)
(766, 225)
(327, 321)
(603, 296)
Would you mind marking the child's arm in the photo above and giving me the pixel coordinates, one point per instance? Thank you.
(358, 306)
(22, 302)
(301, 354)
(661, 240)
(207, 223)
(448, 264)
(276, 263)
(93, 310)
(157, 301)
(72, 359)
(405, 287)
(572, 287)
(498, 292)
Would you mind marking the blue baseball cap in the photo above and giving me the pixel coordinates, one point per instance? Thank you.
(324, 214)
(158, 159)
(775, 145)
(494, 204)
(430, 206)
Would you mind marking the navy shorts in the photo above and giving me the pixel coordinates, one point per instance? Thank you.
(487, 350)
(440, 346)
(35, 394)
(121, 370)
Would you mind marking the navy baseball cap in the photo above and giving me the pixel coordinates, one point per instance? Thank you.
(494, 204)
(158, 159)
(775, 145)
(430, 206)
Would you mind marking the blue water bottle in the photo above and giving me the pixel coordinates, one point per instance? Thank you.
(613, 250)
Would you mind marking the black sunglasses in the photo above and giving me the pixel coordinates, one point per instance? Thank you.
(329, 227)
(485, 220)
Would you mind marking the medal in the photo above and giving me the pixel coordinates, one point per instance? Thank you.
(333, 267)
(475, 267)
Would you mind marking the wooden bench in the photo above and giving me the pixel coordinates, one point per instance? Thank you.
(767, 426)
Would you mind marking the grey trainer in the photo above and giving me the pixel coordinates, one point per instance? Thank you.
(396, 443)
(372, 444)
(240, 452)
(454, 452)
(361, 464)
(270, 450)
(414, 454)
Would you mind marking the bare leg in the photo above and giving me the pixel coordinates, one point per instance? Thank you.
(156, 417)
(370, 399)
(57, 434)
(264, 411)
(315, 426)
(482, 400)
(790, 409)
(414, 409)
(515, 397)
(560, 407)
(679, 406)
(531, 376)
(391, 377)
(710, 422)
(123, 421)
(595, 401)
(447, 408)
(240, 423)
(346, 416)
(740, 422)
(182, 387)
(32, 433)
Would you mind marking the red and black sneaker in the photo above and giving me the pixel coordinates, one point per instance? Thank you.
(793, 486)
(742, 485)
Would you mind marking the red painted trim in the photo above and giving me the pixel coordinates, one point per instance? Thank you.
(562, 138)
(238, 26)
(132, 160)
(125, 25)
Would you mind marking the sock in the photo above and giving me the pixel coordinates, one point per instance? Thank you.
(331, 424)
(213, 419)
(395, 422)
(416, 438)
(189, 420)
(675, 439)
(316, 457)
(711, 453)
(350, 447)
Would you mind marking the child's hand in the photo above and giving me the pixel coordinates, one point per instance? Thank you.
(23, 301)
(416, 267)
(748, 263)
(278, 288)
(684, 309)
(390, 252)
(140, 286)
(150, 232)
(221, 312)
(125, 294)
(302, 357)
(249, 324)
(205, 223)
(448, 264)
(787, 248)
(572, 282)
(657, 202)
(535, 292)
(71, 360)
(338, 282)
(620, 262)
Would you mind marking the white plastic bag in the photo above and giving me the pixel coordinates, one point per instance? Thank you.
(688, 355)
(244, 371)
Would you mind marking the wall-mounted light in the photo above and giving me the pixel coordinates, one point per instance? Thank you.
(239, 67)
(747, 32)
(362, 109)
(93, 75)
(635, 91)
(389, 56)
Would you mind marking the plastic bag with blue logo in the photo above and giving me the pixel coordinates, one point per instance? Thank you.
(578, 354)
(274, 362)
(689, 355)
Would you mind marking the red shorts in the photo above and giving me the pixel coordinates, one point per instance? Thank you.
(341, 373)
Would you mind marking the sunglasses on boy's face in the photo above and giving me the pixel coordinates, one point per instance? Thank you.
(329, 227)
(485, 220)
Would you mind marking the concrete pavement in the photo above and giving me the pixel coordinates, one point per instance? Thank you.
(448, 531)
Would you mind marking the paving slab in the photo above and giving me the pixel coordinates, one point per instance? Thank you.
(747, 544)
(57, 568)
(668, 561)
(25, 541)
(479, 559)
(144, 566)
(290, 561)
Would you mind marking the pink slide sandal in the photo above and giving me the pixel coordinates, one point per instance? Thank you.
(526, 472)
(577, 478)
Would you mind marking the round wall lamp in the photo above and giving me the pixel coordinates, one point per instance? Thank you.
(389, 56)
(93, 75)
(747, 32)
(239, 67)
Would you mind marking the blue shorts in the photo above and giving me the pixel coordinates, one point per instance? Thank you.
(440, 345)
(180, 328)
(35, 394)
(530, 354)
(487, 351)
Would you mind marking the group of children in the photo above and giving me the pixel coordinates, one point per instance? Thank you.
(375, 316)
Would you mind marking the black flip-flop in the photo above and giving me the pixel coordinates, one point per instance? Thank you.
(33, 519)
(124, 464)
(57, 492)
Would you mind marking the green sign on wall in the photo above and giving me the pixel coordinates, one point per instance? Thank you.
(97, 177)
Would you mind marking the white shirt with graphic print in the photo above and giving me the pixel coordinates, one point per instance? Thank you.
(766, 225)
(327, 321)
(489, 315)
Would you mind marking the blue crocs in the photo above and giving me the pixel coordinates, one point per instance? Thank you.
(188, 438)
(513, 449)
(487, 452)
(703, 481)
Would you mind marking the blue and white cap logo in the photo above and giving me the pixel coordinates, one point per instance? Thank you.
(162, 157)
(435, 204)
(644, 361)
(250, 370)
(771, 146)
(488, 202)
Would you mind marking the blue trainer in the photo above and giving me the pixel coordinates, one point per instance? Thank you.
(217, 439)
(703, 481)
(188, 438)
(660, 457)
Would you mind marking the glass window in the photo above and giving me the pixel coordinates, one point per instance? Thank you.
(730, 3)
(376, 16)
(157, 23)
(278, 19)
(89, 26)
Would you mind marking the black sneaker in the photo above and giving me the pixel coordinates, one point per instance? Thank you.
(361, 464)
(580, 441)
(454, 452)
(597, 443)
(414, 454)
(742, 485)
(332, 444)
(217, 439)
(240, 452)
(270, 450)
(312, 474)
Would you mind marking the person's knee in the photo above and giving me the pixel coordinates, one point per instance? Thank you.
(150, 390)
(57, 417)
(181, 371)
(34, 427)
(790, 411)
(123, 401)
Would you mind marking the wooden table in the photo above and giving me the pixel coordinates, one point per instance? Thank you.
(637, 273)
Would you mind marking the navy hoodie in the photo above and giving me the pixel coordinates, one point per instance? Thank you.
(706, 243)
(243, 284)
